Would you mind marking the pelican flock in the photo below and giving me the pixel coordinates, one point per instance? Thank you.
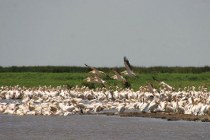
(63, 101)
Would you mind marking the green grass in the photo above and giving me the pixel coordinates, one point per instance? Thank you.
(34, 79)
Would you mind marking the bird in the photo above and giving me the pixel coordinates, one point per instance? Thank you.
(124, 72)
(179, 109)
(99, 80)
(95, 79)
(89, 79)
(166, 86)
(150, 88)
(128, 68)
(94, 70)
(121, 108)
(118, 76)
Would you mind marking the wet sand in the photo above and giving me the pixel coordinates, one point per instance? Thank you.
(103, 127)
(168, 116)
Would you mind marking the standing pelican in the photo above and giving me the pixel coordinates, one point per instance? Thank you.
(150, 88)
(128, 67)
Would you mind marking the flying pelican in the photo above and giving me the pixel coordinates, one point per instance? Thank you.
(89, 79)
(94, 70)
(128, 67)
(118, 76)
(99, 80)
(124, 72)
(95, 79)
(166, 86)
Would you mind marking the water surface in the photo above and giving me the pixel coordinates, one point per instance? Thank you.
(95, 127)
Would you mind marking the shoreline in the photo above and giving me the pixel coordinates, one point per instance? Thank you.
(154, 115)
(162, 115)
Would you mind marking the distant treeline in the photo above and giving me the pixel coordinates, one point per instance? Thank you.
(60, 69)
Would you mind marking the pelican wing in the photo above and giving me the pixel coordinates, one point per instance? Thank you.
(119, 76)
(94, 70)
(127, 64)
(128, 67)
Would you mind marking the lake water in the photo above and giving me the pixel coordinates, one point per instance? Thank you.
(99, 127)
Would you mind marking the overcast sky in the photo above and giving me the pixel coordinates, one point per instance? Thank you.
(102, 32)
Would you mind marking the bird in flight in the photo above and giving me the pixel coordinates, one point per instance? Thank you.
(163, 84)
(118, 76)
(128, 68)
(94, 70)
(95, 77)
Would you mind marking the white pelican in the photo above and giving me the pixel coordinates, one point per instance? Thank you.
(124, 72)
(128, 67)
(94, 70)
(150, 88)
(179, 109)
(89, 79)
(121, 108)
(95, 79)
(166, 86)
(119, 77)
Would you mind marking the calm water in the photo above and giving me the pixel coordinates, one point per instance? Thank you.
(95, 127)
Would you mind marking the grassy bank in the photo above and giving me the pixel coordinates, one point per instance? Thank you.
(31, 79)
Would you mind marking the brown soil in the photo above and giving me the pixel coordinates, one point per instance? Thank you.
(168, 116)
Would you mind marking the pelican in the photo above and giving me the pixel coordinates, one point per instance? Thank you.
(150, 87)
(118, 76)
(99, 80)
(95, 79)
(89, 79)
(124, 72)
(179, 108)
(121, 108)
(94, 70)
(128, 67)
(62, 101)
(166, 86)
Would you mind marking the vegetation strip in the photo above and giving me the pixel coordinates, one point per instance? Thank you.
(61, 69)
(36, 79)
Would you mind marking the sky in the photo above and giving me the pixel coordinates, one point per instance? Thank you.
(101, 32)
